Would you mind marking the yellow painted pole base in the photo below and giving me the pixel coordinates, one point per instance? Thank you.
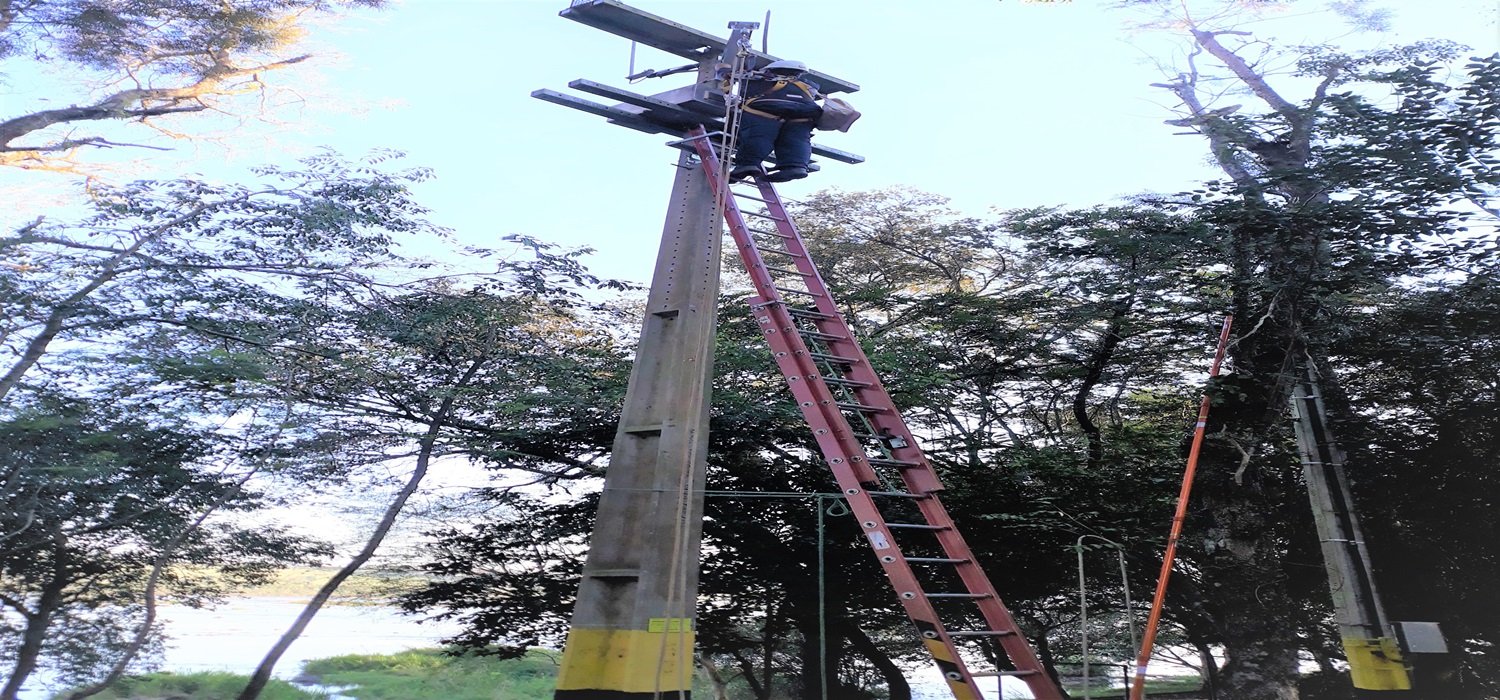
(627, 664)
(1375, 664)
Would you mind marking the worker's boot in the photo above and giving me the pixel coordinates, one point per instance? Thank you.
(741, 173)
(795, 172)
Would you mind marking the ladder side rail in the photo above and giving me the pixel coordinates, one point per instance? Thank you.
(898, 571)
(835, 438)
(921, 478)
(888, 421)
(790, 350)
(991, 607)
(846, 455)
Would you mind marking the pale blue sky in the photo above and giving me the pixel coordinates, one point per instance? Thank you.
(995, 103)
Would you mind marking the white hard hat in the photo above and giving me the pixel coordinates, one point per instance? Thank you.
(788, 66)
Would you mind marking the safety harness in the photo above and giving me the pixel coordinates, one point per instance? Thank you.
(770, 94)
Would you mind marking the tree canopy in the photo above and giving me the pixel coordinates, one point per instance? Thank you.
(142, 61)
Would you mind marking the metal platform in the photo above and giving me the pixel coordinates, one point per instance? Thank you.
(637, 25)
(678, 110)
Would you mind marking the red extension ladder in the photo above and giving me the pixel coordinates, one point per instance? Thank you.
(877, 463)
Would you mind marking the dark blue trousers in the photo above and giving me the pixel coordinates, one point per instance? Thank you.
(759, 136)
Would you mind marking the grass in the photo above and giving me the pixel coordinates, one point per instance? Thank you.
(1155, 684)
(211, 685)
(1171, 685)
(420, 674)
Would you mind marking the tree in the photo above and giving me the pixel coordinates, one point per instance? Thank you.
(95, 307)
(95, 499)
(179, 254)
(1329, 200)
(438, 374)
(145, 61)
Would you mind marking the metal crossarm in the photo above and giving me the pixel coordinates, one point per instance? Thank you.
(868, 446)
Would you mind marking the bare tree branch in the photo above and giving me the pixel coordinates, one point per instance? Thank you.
(135, 103)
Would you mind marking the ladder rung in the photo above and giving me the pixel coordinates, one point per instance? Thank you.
(854, 383)
(768, 233)
(785, 271)
(807, 313)
(819, 335)
(826, 331)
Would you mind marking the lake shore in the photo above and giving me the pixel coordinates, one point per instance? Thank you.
(235, 635)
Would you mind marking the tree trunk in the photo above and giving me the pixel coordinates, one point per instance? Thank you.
(1259, 671)
(262, 674)
(895, 680)
(715, 681)
(1044, 654)
(148, 596)
(1210, 669)
(1099, 360)
(37, 623)
(814, 673)
(1255, 613)
(752, 679)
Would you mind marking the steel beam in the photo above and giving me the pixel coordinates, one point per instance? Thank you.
(654, 115)
(615, 115)
(637, 25)
(656, 110)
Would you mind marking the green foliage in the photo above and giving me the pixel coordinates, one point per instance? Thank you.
(434, 673)
(179, 57)
(93, 495)
(169, 36)
(207, 685)
(162, 257)
(278, 327)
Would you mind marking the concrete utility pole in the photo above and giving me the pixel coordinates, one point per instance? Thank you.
(1371, 648)
(632, 630)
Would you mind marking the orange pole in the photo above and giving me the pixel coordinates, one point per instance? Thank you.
(1138, 686)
